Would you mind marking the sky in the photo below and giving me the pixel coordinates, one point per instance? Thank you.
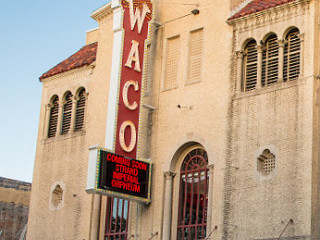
(35, 36)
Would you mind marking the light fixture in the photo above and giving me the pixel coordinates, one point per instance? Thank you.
(195, 11)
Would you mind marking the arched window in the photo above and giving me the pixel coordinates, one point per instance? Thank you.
(80, 110)
(57, 196)
(270, 61)
(53, 120)
(250, 63)
(193, 200)
(117, 219)
(291, 61)
(67, 111)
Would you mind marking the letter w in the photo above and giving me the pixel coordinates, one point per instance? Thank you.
(137, 16)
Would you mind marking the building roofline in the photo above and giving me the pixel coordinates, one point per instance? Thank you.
(101, 12)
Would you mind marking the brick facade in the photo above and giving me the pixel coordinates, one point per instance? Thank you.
(238, 129)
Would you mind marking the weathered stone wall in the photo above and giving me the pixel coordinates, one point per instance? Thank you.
(278, 117)
(14, 208)
(278, 120)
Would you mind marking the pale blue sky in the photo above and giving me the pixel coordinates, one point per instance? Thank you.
(35, 36)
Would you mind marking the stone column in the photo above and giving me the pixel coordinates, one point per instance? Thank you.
(281, 44)
(95, 217)
(167, 208)
(301, 36)
(60, 115)
(73, 113)
(47, 120)
(210, 200)
(240, 55)
(260, 49)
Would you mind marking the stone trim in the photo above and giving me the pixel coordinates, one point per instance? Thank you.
(102, 12)
(270, 15)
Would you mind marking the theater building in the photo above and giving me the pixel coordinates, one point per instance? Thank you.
(228, 118)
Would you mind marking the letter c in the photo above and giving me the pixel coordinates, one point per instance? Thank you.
(125, 94)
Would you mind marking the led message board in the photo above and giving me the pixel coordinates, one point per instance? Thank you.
(123, 177)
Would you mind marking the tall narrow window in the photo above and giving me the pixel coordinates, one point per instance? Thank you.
(80, 110)
(193, 200)
(270, 61)
(67, 111)
(146, 67)
(291, 61)
(53, 120)
(195, 56)
(117, 219)
(172, 60)
(250, 63)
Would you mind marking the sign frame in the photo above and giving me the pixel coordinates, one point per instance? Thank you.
(95, 188)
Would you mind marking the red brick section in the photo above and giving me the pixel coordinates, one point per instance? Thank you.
(85, 56)
(257, 6)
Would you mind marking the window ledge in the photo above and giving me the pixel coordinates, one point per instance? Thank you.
(272, 88)
(64, 136)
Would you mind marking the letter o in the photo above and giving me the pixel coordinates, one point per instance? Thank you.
(133, 136)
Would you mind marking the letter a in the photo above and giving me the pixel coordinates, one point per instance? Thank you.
(137, 16)
(134, 56)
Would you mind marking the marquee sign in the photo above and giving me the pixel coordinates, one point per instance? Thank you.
(136, 17)
(118, 173)
(122, 177)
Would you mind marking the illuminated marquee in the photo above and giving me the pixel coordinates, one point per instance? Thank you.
(136, 18)
(117, 173)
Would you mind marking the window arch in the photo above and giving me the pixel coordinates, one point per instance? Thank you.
(193, 199)
(270, 61)
(291, 61)
(66, 115)
(80, 110)
(250, 64)
(53, 119)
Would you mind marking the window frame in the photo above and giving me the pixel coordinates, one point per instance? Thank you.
(109, 232)
(246, 64)
(192, 56)
(80, 110)
(66, 113)
(167, 54)
(288, 53)
(53, 116)
(270, 61)
(182, 196)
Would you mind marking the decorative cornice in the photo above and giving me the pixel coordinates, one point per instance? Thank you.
(71, 75)
(102, 12)
(269, 15)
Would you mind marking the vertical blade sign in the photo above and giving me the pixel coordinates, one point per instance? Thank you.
(137, 17)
